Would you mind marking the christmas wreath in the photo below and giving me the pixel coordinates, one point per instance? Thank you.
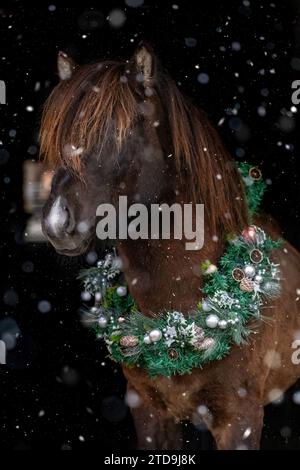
(172, 343)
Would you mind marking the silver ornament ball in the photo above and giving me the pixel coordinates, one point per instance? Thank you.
(102, 321)
(249, 270)
(121, 291)
(212, 321)
(147, 339)
(155, 335)
(206, 306)
(258, 278)
(222, 324)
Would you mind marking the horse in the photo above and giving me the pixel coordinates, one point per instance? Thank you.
(123, 128)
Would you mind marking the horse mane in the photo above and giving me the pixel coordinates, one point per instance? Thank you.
(99, 104)
(212, 177)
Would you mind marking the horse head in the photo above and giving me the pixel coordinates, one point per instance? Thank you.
(123, 128)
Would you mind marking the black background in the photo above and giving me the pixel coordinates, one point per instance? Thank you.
(58, 390)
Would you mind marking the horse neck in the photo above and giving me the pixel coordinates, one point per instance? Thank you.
(162, 274)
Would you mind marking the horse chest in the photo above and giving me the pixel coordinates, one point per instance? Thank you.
(176, 395)
(178, 399)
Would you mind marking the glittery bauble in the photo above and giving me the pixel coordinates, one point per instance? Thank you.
(222, 324)
(102, 321)
(206, 306)
(173, 354)
(249, 270)
(247, 285)
(212, 321)
(147, 339)
(207, 343)
(249, 233)
(121, 291)
(98, 296)
(258, 278)
(256, 256)
(155, 335)
(129, 341)
(238, 274)
(211, 269)
(121, 320)
(255, 173)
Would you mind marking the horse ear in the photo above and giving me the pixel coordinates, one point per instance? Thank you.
(65, 66)
(145, 62)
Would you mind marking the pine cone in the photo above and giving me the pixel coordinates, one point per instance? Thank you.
(129, 341)
(198, 338)
(206, 344)
(247, 285)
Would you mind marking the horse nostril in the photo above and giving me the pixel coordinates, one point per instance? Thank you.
(70, 221)
(66, 218)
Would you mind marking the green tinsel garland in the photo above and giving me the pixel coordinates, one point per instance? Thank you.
(172, 343)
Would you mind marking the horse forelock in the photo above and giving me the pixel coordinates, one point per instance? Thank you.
(83, 113)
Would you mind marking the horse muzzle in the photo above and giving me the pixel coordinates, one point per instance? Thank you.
(66, 235)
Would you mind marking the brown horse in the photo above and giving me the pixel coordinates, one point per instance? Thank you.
(116, 128)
